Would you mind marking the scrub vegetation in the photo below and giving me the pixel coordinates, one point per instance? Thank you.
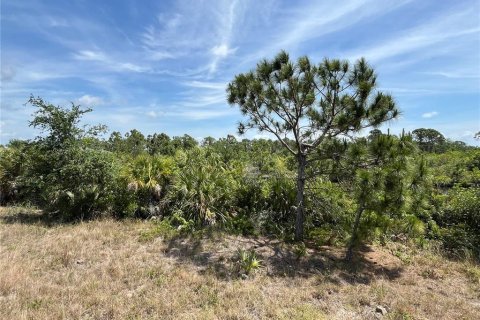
(322, 221)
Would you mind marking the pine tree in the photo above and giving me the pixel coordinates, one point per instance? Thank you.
(310, 104)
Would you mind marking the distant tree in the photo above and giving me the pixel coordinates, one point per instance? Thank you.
(116, 142)
(310, 104)
(160, 144)
(227, 148)
(208, 141)
(184, 142)
(429, 140)
(459, 144)
(477, 135)
(455, 145)
(135, 142)
(374, 134)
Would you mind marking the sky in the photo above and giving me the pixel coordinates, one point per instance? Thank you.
(163, 66)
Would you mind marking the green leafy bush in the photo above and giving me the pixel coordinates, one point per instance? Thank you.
(83, 186)
(459, 220)
(203, 188)
(11, 159)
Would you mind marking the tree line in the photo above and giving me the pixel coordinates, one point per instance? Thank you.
(318, 181)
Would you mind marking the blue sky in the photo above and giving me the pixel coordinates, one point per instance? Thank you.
(162, 66)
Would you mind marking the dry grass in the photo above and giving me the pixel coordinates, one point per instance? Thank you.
(110, 270)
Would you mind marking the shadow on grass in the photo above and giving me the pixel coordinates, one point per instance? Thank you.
(30, 216)
(218, 255)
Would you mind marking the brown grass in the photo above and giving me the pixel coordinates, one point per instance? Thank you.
(109, 270)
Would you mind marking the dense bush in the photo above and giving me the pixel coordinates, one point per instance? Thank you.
(83, 187)
(11, 160)
(146, 180)
(458, 217)
(204, 188)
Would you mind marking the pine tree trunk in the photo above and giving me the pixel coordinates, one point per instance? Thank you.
(300, 217)
(354, 237)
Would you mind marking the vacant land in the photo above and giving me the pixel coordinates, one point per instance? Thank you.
(111, 269)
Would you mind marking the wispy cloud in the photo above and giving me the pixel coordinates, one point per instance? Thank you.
(206, 84)
(429, 114)
(187, 33)
(319, 18)
(439, 30)
(108, 62)
(454, 74)
(89, 101)
(204, 114)
(228, 18)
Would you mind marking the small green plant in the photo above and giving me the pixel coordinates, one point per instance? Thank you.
(162, 228)
(177, 220)
(35, 304)
(156, 276)
(208, 295)
(473, 273)
(248, 260)
(300, 250)
(403, 256)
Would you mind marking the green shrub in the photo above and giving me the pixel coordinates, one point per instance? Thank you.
(241, 224)
(204, 188)
(161, 228)
(248, 261)
(80, 186)
(11, 160)
(459, 220)
(145, 179)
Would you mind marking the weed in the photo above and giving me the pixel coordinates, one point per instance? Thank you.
(300, 250)
(473, 273)
(160, 229)
(404, 257)
(248, 260)
(157, 276)
(35, 304)
(208, 295)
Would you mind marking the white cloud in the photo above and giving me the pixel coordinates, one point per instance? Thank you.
(223, 50)
(108, 62)
(160, 55)
(7, 73)
(152, 114)
(203, 93)
(90, 55)
(89, 101)
(204, 99)
(206, 85)
(429, 114)
(453, 74)
(205, 33)
(402, 91)
(204, 114)
(58, 22)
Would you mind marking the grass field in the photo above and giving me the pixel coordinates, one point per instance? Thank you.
(109, 269)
